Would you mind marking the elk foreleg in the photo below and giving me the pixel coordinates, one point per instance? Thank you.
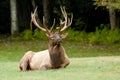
(66, 63)
(24, 62)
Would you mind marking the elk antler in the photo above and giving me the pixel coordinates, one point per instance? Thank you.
(67, 21)
(33, 19)
(52, 25)
(65, 24)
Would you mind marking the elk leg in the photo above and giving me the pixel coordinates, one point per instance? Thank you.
(23, 67)
(44, 67)
(66, 62)
(24, 62)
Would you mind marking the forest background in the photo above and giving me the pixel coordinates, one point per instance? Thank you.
(94, 22)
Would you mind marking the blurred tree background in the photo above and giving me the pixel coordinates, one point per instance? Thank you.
(88, 14)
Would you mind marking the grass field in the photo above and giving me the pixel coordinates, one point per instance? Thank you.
(88, 62)
(14, 50)
(94, 68)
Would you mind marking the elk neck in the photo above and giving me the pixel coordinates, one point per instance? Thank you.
(56, 54)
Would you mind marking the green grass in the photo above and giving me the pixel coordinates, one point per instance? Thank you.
(14, 50)
(94, 68)
(88, 62)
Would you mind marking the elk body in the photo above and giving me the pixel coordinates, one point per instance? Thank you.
(55, 56)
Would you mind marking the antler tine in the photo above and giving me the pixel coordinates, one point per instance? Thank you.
(61, 24)
(67, 21)
(44, 23)
(65, 16)
(70, 20)
(35, 22)
(64, 13)
(52, 25)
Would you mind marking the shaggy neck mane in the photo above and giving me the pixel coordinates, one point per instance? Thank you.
(56, 55)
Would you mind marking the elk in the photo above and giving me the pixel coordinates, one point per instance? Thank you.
(55, 56)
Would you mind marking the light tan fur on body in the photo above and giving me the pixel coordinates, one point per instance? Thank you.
(42, 61)
(55, 56)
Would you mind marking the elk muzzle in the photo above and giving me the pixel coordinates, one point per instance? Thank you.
(59, 40)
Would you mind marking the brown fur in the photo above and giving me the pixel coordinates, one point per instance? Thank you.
(55, 56)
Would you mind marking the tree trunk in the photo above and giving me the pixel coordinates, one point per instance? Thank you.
(112, 18)
(14, 27)
(24, 14)
(46, 12)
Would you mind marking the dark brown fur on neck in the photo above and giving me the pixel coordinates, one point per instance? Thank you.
(56, 55)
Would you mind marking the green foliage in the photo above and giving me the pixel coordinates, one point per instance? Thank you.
(77, 36)
(39, 34)
(108, 3)
(30, 35)
(113, 36)
(100, 36)
(27, 35)
(104, 36)
(94, 37)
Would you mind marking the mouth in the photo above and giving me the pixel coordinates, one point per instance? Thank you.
(58, 42)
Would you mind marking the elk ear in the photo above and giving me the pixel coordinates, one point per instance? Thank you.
(64, 35)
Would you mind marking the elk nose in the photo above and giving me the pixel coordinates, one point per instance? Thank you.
(59, 40)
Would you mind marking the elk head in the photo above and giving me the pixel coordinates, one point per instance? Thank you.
(55, 37)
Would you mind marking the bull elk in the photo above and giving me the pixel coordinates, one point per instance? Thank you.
(55, 56)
